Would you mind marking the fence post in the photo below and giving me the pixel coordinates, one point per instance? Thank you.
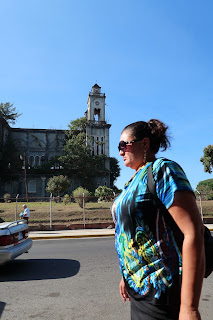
(51, 197)
(201, 209)
(16, 206)
(84, 210)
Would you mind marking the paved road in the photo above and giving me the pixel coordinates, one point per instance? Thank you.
(70, 279)
(64, 279)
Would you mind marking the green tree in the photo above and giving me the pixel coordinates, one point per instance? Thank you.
(114, 171)
(10, 163)
(205, 188)
(9, 112)
(207, 159)
(77, 161)
(58, 185)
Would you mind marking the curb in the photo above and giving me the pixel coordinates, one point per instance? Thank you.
(70, 236)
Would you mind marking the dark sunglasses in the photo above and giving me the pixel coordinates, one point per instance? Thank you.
(123, 144)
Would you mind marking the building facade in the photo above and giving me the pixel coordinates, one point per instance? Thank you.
(39, 146)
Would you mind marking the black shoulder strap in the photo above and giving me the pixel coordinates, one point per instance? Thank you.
(152, 187)
(150, 181)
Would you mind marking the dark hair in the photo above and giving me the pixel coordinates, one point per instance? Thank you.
(154, 129)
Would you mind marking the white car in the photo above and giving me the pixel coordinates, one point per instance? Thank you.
(13, 239)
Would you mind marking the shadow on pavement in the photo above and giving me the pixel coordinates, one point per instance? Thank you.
(2, 306)
(38, 269)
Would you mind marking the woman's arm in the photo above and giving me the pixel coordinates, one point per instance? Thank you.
(186, 214)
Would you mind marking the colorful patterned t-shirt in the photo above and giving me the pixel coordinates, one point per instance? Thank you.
(146, 243)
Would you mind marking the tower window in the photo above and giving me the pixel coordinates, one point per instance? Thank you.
(93, 146)
(97, 141)
(97, 113)
(102, 145)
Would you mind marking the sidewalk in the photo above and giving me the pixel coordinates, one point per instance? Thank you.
(81, 233)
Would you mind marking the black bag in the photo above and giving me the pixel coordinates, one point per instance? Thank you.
(208, 238)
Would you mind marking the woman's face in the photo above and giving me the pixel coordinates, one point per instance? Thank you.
(133, 157)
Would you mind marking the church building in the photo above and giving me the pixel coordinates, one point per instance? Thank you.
(38, 146)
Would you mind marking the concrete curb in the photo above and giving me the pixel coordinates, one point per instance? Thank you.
(70, 236)
(80, 233)
(66, 234)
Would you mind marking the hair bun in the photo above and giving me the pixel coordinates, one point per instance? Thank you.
(158, 138)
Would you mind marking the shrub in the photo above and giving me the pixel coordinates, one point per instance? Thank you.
(7, 197)
(210, 196)
(57, 199)
(104, 193)
(78, 195)
(58, 185)
(66, 199)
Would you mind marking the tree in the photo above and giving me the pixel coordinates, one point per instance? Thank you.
(207, 159)
(58, 185)
(10, 163)
(9, 112)
(77, 160)
(114, 171)
(205, 188)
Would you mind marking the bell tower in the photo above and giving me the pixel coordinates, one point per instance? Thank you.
(97, 130)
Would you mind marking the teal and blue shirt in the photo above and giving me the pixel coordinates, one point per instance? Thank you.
(148, 248)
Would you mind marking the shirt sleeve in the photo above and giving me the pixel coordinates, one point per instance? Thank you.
(169, 178)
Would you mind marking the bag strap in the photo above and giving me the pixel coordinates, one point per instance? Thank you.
(152, 187)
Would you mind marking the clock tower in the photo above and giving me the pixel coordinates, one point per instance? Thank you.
(97, 130)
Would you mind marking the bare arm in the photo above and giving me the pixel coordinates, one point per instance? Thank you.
(186, 214)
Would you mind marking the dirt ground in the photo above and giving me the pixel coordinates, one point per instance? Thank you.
(40, 212)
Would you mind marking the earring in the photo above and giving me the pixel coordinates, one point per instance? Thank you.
(144, 157)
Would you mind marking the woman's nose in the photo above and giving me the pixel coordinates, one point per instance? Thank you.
(121, 152)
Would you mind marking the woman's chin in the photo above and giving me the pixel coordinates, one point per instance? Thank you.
(127, 163)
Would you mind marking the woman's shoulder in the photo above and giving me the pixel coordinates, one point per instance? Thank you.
(163, 163)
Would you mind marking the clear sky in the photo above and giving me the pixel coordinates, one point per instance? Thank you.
(153, 59)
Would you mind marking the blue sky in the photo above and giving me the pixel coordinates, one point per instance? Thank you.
(153, 59)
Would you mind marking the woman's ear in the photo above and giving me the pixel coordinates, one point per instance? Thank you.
(146, 143)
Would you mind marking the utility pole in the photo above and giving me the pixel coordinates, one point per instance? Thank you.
(25, 174)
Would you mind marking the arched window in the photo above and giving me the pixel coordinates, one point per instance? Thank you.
(37, 161)
(31, 161)
(32, 186)
(43, 160)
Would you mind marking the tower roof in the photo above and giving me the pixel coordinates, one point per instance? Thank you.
(96, 86)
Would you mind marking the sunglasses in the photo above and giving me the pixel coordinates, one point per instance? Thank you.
(123, 144)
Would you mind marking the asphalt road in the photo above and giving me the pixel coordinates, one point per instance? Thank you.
(70, 279)
(64, 279)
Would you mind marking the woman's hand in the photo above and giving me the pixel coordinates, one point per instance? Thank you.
(123, 292)
(189, 314)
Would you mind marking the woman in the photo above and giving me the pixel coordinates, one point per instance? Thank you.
(161, 253)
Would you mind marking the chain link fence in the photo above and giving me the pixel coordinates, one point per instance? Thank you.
(66, 211)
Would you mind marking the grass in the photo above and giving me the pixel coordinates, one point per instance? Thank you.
(71, 213)
(61, 213)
